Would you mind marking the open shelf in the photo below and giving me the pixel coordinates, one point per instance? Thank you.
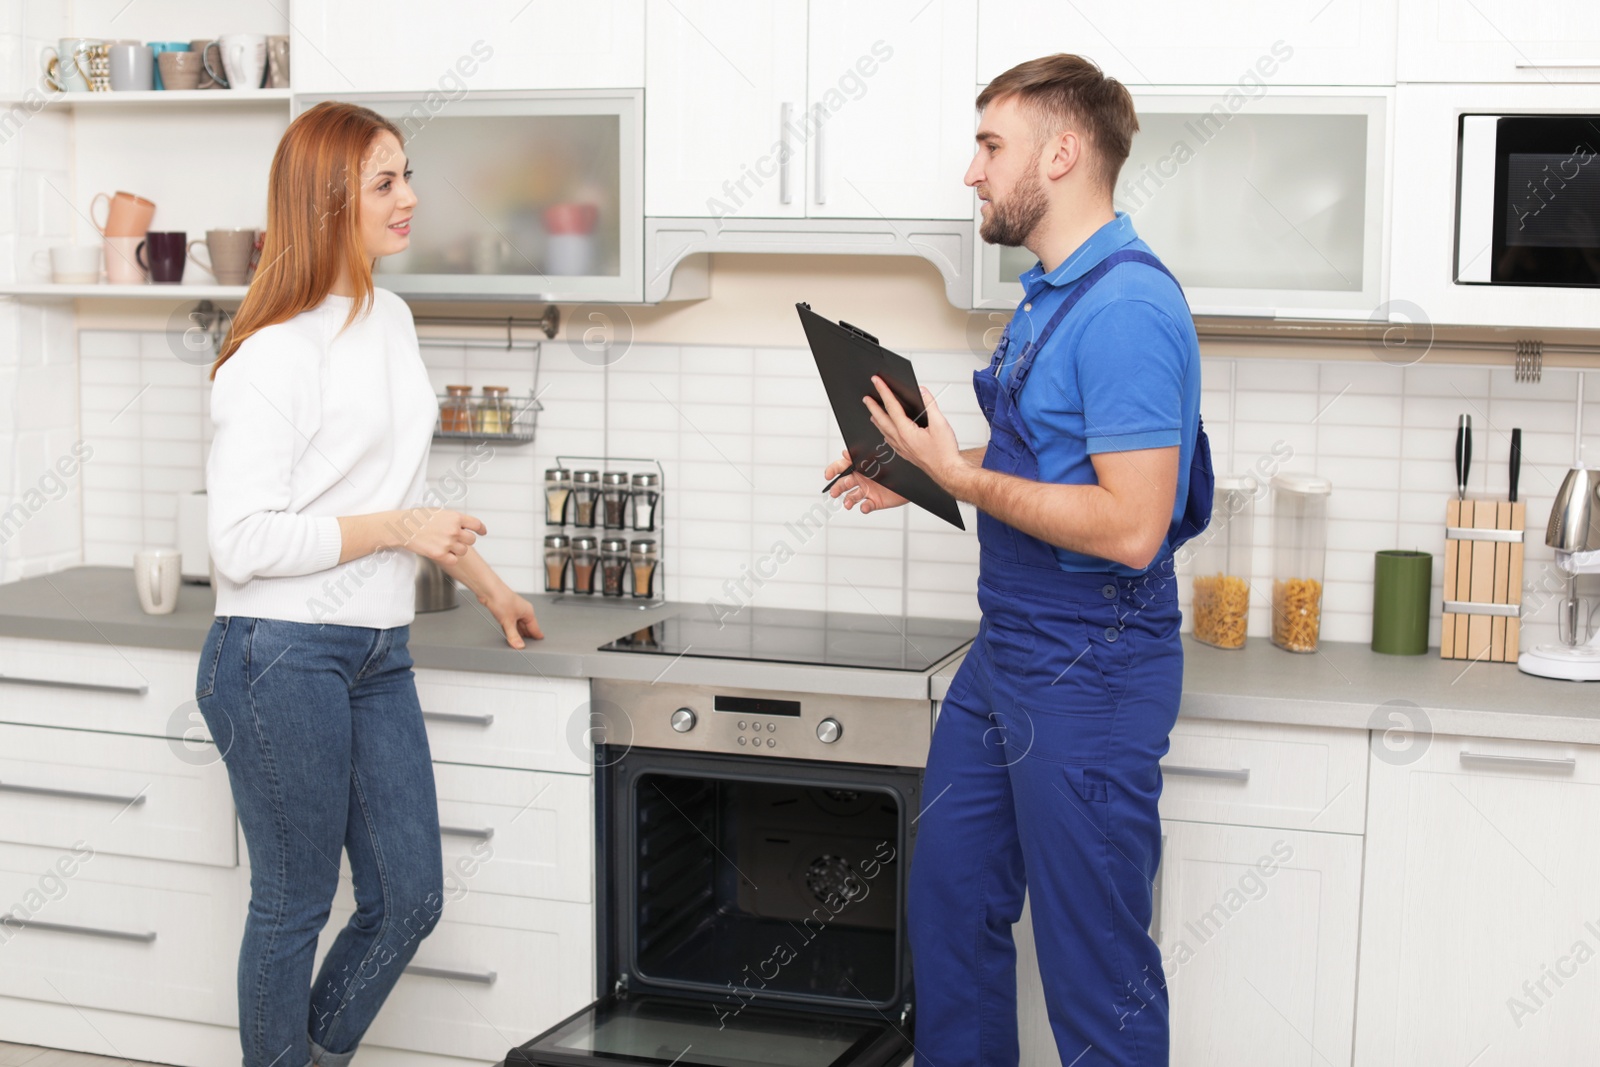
(51, 291)
(160, 98)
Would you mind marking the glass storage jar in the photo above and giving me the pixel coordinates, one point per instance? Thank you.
(585, 498)
(1299, 557)
(1221, 568)
(646, 497)
(646, 565)
(557, 559)
(613, 566)
(614, 496)
(585, 556)
(557, 496)
(493, 413)
(455, 413)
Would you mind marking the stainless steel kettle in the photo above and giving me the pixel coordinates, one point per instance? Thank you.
(1575, 514)
(436, 590)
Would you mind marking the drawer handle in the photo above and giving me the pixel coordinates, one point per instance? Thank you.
(1227, 774)
(1534, 763)
(71, 794)
(480, 977)
(98, 687)
(86, 931)
(467, 831)
(455, 716)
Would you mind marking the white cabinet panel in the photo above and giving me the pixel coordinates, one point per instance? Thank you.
(540, 828)
(1170, 42)
(891, 110)
(1498, 41)
(92, 686)
(725, 108)
(340, 46)
(1480, 925)
(502, 720)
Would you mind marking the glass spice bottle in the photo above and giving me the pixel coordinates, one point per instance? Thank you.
(585, 554)
(614, 495)
(646, 495)
(585, 498)
(613, 566)
(557, 496)
(557, 559)
(644, 561)
(493, 413)
(455, 412)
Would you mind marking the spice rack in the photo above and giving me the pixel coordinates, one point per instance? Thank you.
(657, 533)
(519, 415)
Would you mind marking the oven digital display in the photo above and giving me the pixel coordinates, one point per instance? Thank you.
(756, 706)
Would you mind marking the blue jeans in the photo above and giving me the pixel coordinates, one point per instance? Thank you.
(323, 738)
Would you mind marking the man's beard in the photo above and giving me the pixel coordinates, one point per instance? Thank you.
(1012, 221)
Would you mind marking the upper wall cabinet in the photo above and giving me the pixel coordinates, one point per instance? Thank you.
(1179, 42)
(341, 46)
(1499, 41)
(826, 109)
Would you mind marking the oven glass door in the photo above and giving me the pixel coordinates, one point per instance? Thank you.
(622, 1030)
(1547, 196)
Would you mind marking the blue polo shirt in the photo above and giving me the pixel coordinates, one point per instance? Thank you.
(1120, 373)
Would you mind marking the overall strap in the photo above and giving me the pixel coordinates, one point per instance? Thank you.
(1126, 255)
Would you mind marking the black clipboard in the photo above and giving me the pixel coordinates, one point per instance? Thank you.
(847, 358)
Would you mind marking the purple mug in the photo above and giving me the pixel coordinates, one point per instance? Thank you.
(166, 252)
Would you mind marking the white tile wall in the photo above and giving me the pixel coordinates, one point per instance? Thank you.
(742, 435)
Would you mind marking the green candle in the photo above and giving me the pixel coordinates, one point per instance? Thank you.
(1402, 585)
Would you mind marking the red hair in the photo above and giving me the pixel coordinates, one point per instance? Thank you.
(313, 216)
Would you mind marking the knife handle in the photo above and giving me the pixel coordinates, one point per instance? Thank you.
(1516, 461)
(1463, 454)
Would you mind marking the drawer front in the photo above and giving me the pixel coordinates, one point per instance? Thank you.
(1254, 774)
(495, 972)
(129, 796)
(497, 720)
(96, 687)
(101, 931)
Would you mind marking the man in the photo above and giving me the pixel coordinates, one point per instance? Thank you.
(1044, 771)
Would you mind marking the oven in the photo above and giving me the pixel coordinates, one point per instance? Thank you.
(1528, 200)
(754, 853)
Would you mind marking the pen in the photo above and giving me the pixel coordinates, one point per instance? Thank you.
(848, 470)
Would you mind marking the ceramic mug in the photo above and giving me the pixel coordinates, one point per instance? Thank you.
(162, 254)
(198, 47)
(179, 70)
(242, 58)
(161, 48)
(156, 574)
(66, 66)
(132, 68)
(228, 255)
(122, 260)
(277, 62)
(97, 62)
(69, 264)
(127, 215)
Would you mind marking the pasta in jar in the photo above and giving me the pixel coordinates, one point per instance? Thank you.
(1221, 610)
(1296, 613)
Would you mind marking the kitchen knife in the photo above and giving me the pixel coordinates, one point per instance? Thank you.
(1516, 461)
(1463, 455)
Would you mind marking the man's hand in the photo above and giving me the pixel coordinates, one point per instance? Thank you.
(514, 614)
(933, 449)
(870, 495)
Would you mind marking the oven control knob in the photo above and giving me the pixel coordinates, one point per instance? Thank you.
(829, 731)
(683, 720)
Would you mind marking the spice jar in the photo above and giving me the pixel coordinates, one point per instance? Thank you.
(643, 560)
(493, 413)
(646, 495)
(614, 497)
(455, 412)
(557, 557)
(585, 555)
(1222, 561)
(585, 498)
(613, 566)
(557, 496)
(1299, 555)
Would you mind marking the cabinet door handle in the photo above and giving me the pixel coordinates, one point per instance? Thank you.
(71, 794)
(1241, 774)
(85, 931)
(785, 117)
(459, 717)
(467, 831)
(480, 977)
(1557, 66)
(1532, 763)
(56, 683)
(816, 147)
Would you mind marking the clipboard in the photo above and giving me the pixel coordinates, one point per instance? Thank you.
(847, 358)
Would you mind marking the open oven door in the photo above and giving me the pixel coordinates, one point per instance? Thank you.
(624, 1029)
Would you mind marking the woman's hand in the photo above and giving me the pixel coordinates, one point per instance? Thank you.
(868, 493)
(439, 534)
(514, 614)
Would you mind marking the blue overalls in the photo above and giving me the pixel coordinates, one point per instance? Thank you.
(1044, 776)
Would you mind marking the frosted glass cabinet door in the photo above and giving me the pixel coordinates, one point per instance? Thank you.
(1274, 206)
(520, 195)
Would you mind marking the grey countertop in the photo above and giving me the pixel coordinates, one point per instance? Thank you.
(1347, 685)
(98, 604)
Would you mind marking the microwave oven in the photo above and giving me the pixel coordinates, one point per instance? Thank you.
(1528, 200)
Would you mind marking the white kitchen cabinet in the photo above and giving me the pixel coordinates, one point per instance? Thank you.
(725, 104)
(891, 112)
(417, 46)
(524, 722)
(1498, 41)
(95, 686)
(1170, 42)
(1480, 923)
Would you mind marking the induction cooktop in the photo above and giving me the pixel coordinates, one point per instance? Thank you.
(787, 635)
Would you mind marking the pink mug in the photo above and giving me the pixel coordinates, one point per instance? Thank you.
(122, 261)
(127, 215)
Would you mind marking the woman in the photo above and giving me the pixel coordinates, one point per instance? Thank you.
(323, 416)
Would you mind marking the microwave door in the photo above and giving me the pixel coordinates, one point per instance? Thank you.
(1547, 201)
(623, 1030)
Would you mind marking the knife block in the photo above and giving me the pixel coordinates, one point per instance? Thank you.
(1483, 546)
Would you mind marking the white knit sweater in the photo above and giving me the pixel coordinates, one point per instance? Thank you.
(312, 423)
